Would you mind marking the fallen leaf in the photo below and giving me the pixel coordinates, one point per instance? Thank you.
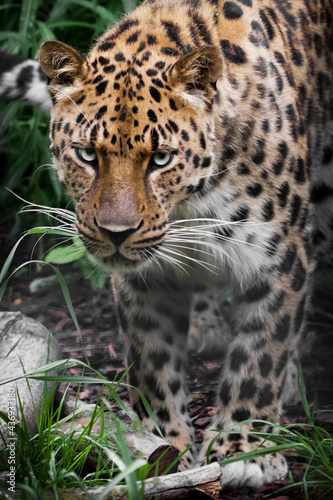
(112, 351)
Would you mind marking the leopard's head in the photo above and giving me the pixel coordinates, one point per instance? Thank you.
(132, 139)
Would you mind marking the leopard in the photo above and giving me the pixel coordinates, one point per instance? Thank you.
(196, 142)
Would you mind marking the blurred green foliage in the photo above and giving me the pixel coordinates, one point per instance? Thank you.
(25, 161)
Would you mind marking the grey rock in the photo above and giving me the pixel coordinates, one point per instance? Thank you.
(25, 345)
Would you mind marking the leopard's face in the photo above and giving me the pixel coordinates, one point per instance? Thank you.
(130, 150)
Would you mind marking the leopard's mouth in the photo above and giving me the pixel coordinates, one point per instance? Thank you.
(126, 257)
(117, 262)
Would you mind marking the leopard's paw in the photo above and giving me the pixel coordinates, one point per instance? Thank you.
(252, 473)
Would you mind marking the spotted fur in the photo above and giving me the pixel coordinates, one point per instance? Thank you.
(22, 79)
(238, 96)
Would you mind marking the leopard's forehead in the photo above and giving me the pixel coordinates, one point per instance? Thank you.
(126, 93)
(127, 88)
(155, 27)
(124, 65)
(120, 100)
(124, 85)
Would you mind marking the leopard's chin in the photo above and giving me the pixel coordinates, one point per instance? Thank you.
(117, 262)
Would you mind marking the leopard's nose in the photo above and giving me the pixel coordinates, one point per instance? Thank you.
(118, 234)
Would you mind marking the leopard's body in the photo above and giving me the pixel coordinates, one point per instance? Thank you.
(196, 139)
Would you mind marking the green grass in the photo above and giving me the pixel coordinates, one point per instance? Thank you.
(54, 459)
(24, 143)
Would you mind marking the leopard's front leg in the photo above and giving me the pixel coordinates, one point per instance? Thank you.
(155, 320)
(268, 319)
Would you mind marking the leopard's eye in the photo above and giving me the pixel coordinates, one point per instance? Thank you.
(161, 159)
(87, 155)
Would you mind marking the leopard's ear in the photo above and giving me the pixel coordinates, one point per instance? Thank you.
(196, 74)
(60, 62)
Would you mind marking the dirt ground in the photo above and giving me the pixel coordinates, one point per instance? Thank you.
(102, 343)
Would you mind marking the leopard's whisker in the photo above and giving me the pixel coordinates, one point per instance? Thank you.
(143, 279)
(152, 256)
(220, 251)
(215, 222)
(49, 165)
(169, 259)
(206, 265)
(188, 238)
(54, 217)
(78, 107)
(66, 213)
